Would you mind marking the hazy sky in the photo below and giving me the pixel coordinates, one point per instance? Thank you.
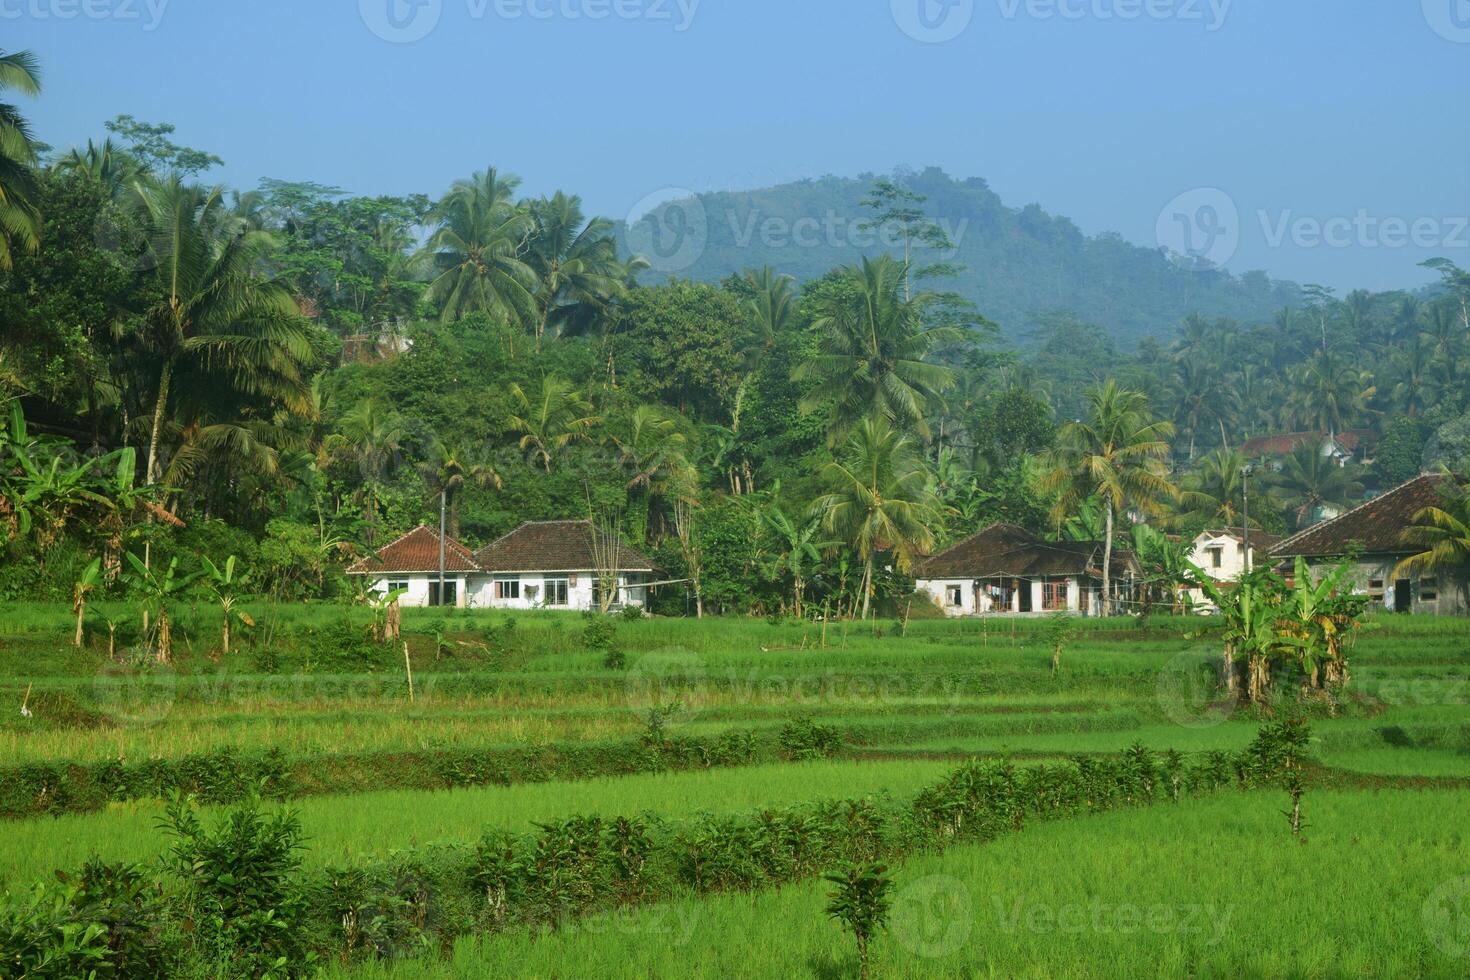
(1336, 129)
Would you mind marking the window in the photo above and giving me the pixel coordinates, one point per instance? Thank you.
(451, 594)
(597, 587)
(954, 596)
(1217, 557)
(556, 592)
(1054, 595)
(397, 586)
(507, 588)
(1429, 590)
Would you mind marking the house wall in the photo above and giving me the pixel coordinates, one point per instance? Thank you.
(417, 596)
(1232, 561)
(1374, 576)
(533, 590)
(978, 602)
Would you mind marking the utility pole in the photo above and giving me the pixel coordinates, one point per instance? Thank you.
(443, 497)
(1245, 494)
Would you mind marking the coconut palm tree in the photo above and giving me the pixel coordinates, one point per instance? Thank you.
(769, 309)
(551, 418)
(1329, 394)
(1216, 488)
(371, 436)
(575, 264)
(1310, 479)
(215, 317)
(651, 452)
(879, 498)
(476, 250)
(1117, 453)
(872, 349)
(450, 469)
(1444, 534)
(20, 225)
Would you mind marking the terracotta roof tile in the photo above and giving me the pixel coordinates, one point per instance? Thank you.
(1007, 551)
(1376, 526)
(417, 552)
(552, 546)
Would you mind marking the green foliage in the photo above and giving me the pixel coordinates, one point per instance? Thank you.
(861, 901)
(240, 889)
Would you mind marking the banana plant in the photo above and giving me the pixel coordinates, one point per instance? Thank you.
(91, 577)
(1251, 608)
(382, 604)
(159, 591)
(222, 583)
(1321, 617)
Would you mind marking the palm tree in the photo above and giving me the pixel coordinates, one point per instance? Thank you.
(103, 164)
(476, 251)
(559, 416)
(1216, 488)
(215, 316)
(1118, 453)
(769, 309)
(20, 226)
(879, 498)
(450, 469)
(1409, 365)
(872, 345)
(1444, 534)
(1328, 394)
(651, 452)
(1311, 479)
(371, 436)
(575, 264)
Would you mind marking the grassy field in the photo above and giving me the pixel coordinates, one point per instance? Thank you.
(1207, 889)
(1386, 815)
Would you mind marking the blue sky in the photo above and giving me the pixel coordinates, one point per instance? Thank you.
(1345, 112)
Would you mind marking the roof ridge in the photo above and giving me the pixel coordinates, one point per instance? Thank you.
(1282, 545)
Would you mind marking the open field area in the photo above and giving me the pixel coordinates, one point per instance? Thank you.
(516, 725)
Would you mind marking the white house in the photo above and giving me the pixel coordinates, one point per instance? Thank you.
(540, 565)
(1224, 555)
(1007, 570)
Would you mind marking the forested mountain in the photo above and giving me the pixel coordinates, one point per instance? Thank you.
(1017, 263)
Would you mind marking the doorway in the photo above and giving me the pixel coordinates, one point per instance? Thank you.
(451, 594)
(1403, 596)
(1025, 589)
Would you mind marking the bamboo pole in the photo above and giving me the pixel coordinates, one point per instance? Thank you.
(408, 667)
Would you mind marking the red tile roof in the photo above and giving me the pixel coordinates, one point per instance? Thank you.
(553, 546)
(417, 552)
(1376, 527)
(1285, 443)
(1007, 551)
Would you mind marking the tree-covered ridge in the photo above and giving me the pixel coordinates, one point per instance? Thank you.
(1019, 263)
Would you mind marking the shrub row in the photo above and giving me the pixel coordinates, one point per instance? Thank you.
(238, 904)
(228, 775)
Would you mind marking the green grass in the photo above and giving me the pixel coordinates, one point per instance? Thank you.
(947, 689)
(343, 829)
(1211, 888)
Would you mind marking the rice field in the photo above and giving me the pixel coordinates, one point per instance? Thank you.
(1386, 815)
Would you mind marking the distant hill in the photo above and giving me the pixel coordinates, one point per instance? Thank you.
(1018, 261)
